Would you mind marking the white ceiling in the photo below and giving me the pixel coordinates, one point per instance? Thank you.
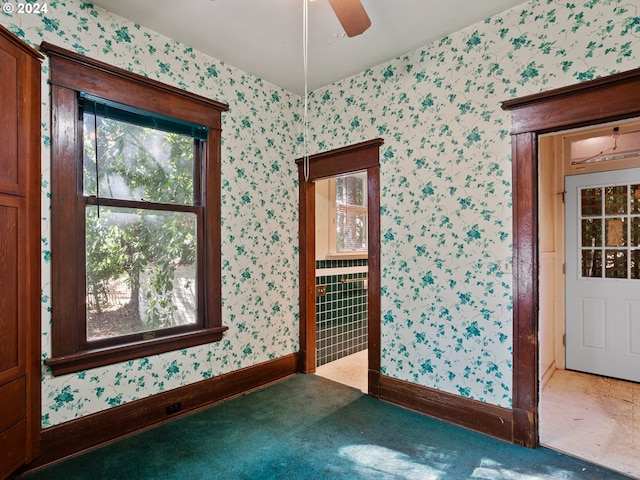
(264, 37)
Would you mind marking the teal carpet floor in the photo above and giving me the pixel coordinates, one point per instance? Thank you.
(307, 427)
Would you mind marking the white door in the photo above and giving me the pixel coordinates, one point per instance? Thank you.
(603, 273)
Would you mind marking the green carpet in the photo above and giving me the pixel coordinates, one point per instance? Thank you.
(307, 427)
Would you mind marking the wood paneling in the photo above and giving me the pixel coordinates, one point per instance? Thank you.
(12, 443)
(9, 162)
(19, 252)
(588, 103)
(13, 408)
(339, 161)
(12, 351)
(103, 80)
(307, 235)
(373, 265)
(525, 280)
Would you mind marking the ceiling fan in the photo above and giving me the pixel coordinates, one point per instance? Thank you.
(352, 16)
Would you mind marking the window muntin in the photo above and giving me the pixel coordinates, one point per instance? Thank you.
(610, 231)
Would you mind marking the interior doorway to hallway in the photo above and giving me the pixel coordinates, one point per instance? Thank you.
(583, 414)
(612, 98)
(362, 157)
(341, 246)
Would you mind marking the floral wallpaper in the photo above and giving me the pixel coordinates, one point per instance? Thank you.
(446, 177)
(259, 209)
(445, 199)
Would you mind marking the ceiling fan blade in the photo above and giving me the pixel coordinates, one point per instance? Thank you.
(352, 16)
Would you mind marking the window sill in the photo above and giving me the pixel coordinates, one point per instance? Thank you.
(86, 359)
(347, 256)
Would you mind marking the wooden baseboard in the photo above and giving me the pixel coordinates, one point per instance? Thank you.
(77, 436)
(546, 376)
(374, 383)
(464, 412)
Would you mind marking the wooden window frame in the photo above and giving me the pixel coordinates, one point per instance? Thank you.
(71, 74)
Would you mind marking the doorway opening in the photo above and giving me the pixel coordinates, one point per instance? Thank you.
(585, 412)
(357, 283)
(341, 279)
(612, 98)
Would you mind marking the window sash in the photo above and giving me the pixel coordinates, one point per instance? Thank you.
(347, 191)
(123, 114)
(162, 301)
(101, 180)
(339, 195)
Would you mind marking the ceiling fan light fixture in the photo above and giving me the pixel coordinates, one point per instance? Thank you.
(352, 16)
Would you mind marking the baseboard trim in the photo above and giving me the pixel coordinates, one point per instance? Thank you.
(465, 412)
(77, 436)
(547, 375)
(374, 383)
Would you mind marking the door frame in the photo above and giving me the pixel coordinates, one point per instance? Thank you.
(340, 161)
(607, 99)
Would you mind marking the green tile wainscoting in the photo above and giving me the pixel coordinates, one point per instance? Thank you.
(341, 314)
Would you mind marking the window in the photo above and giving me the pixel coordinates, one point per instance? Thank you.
(135, 215)
(349, 197)
(610, 231)
(142, 216)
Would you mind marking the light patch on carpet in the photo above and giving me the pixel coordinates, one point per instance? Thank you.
(491, 470)
(381, 462)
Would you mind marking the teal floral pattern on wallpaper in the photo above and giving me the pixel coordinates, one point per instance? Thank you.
(259, 209)
(446, 177)
(445, 199)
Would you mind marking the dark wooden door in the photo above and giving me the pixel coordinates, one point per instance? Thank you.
(19, 253)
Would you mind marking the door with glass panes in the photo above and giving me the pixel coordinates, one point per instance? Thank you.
(603, 273)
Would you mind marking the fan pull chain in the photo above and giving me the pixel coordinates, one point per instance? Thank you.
(305, 49)
(95, 143)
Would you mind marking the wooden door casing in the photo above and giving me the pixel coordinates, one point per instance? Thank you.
(606, 99)
(364, 156)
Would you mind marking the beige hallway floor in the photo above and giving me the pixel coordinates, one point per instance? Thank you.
(350, 370)
(593, 418)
